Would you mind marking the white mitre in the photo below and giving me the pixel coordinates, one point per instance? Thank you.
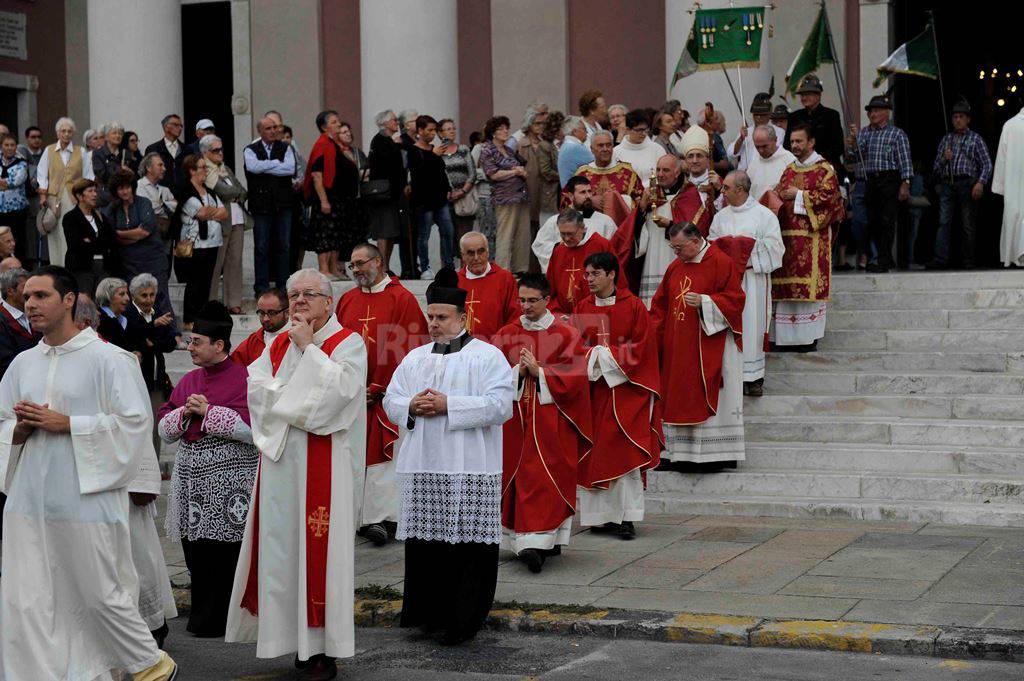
(695, 138)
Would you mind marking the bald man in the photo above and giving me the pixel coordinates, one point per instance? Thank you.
(269, 171)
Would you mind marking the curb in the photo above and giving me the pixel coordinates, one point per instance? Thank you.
(752, 632)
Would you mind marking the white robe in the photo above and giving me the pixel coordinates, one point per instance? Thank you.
(311, 393)
(547, 236)
(68, 606)
(748, 152)
(721, 437)
(755, 221)
(1008, 181)
(643, 157)
(765, 173)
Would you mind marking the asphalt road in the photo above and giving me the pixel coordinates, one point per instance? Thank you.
(394, 654)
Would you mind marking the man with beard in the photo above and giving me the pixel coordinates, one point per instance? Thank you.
(493, 293)
(390, 321)
(272, 310)
(582, 193)
(617, 187)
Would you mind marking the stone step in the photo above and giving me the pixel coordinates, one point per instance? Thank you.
(906, 340)
(930, 281)
(885, 431)
(841, 456)
(993, 318)
(862, 383)
(882, 360)
(847, 485)
(909, 406)
(944, 512)
(948, 300)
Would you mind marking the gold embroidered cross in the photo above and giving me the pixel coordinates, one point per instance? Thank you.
(684, 287)
(470, 317)
(366, 326)
(571, 271)
(603, 332)
(319, 522)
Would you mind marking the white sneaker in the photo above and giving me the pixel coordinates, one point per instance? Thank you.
(427, 275)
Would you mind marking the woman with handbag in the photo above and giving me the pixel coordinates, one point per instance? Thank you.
(89, 238)
(461, 170)
(222, 182)
(383, 195)
(542, 182)
(201, 214)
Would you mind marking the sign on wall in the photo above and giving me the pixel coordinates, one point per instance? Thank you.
(12, 35)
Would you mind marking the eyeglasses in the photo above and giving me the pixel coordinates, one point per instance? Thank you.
(531, 301)
(358, 263)
(306, 294)
(218, 150)
(645, 129)
(269, 313)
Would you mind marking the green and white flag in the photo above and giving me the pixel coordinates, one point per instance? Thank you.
(917, 57)
(722, 37)
(817, 50)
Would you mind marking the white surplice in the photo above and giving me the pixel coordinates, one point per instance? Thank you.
(757, 222)
(547, 236)
(311, 393)
(765, 173)
(643, 157)
(748, 152)
(68, 606)
(1008, 180)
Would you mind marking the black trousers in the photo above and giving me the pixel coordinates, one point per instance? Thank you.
(211, 565)
(883, 202)
(200, 277)
(449, 587)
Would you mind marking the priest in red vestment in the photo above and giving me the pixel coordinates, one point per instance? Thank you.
(389, 319)
(617, 187)
(493, 299)
(622, 365)
(565, 269)
(272, 310)
(698, 316)
(811, 204)
(550, 428)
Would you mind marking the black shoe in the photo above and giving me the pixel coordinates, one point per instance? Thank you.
(754, 388)
(160, 635)
(376, 534)
(391, 527)
(845, 267)
(875, 268)
(533, 558)
(626, 530)
(547, 553)
(319, 668)
(810, 347)
(610, 527)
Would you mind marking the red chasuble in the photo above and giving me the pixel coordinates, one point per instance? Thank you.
(567, 275)
(691, 360)
(543, 442)
(627, 436)
(249, 350)
(318, 503)
(687, 206)
(391, 324)
(610, 185)
(806, 269)
(493, 301)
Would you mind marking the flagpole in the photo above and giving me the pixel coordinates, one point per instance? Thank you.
(938, 68)
(844, 100)
(732, 89)
(739, 80)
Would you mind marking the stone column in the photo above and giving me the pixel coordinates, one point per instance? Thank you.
(408, 59)
(875, 45)
(134, 64)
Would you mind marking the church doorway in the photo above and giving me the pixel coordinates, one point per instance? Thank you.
(206, 62)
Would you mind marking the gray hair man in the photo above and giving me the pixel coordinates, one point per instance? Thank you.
(491, 302)
(15, 332)
(768, 161)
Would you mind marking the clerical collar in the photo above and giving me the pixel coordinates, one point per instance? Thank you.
(701, 252)
(541, 324)
(269, 336)
(220, 366)
(378, 287)
(811, 160)
(452, 346)
(330, 327)
(470, 275)
(698, 180)
(605, 302)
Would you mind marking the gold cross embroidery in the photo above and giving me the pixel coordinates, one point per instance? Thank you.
(319, 522)
(603, 332)
(471, 319)
(571, 294)
(366, 326)
(684, 287)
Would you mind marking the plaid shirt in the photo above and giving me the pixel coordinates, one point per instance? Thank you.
(885, 148)
(970, 157)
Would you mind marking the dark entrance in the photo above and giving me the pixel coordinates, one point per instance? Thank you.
(973, 45)
(9, 109)
(207, 70)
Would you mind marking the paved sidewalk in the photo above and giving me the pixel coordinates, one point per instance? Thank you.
(955, 591)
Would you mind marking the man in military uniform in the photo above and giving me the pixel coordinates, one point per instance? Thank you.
(780, 116)
(828, 128)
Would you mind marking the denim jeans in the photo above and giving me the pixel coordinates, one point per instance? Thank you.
(442, 217)
(953, 198)
(859, 222)
(271, 243)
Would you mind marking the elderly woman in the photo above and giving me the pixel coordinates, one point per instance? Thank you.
(13, 176)
(486, 223)
(89, 237)
(109, 158)
(214, 468)
(507, 173)
(112, 299)
(223, 183)
(541, 171)
(202, 216)
(617, 121)
(60, 166)
(154, 336)
(388, 210)
(461, 171)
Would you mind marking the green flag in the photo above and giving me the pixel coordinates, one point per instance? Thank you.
(917, 57)
(722, 37)
(817, 50)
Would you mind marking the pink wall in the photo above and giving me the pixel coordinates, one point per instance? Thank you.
(339, 40)
(476, 96)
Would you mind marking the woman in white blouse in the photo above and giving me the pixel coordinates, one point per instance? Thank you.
(201, 216)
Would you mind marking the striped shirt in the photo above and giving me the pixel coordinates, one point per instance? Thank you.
(970, 156)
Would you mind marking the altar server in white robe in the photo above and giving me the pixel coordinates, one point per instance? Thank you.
(582, 193)
(293, 588)
(744, 216)
(74, 421)
(451, 398)
(767, 165)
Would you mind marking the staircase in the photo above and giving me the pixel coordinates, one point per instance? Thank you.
(912, 409)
